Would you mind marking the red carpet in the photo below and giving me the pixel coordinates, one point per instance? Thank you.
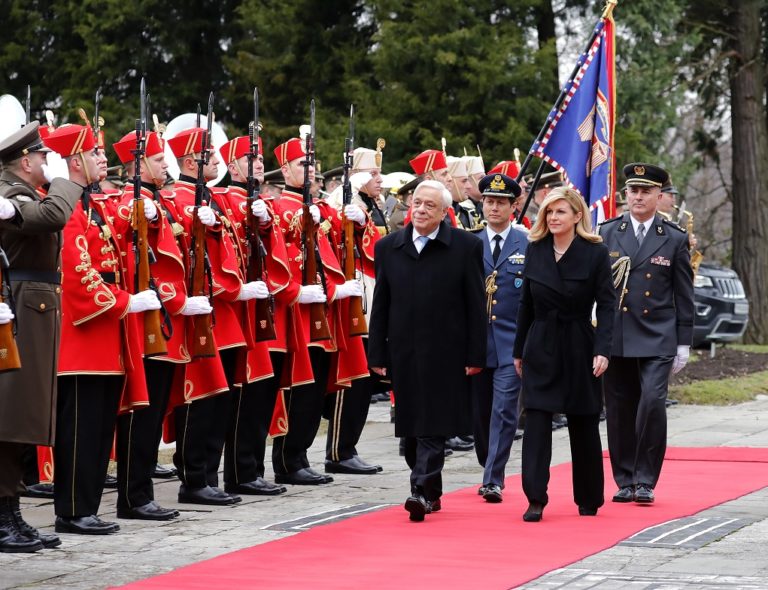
(472, 544)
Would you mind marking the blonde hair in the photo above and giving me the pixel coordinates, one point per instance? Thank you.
(539, 231)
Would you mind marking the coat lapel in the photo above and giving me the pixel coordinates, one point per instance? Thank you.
(541, 266)
(404, 241)
(653, 240)
(512, 244)
(626, 237)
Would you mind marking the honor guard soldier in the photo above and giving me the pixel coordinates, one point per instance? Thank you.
(652, 334)
(95, 308)
(139, 432)
(476, 172)
(463, 206)
(335, 361)
(30, 235)
(431, 165)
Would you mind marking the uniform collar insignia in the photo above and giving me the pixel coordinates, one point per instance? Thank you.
(623, 226)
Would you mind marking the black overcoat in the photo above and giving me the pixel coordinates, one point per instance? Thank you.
(555, 335)
(428, 322)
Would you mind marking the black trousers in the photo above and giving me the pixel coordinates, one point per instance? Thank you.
(636, 415)
(201, 431)
(586, 458)
(252, 411)
(305, 411)
(138, 437)
(31, 474)
(482, 404)
(425, 455)
(11, 468)
(86, 412)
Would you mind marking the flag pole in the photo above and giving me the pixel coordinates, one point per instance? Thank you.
(607, 13)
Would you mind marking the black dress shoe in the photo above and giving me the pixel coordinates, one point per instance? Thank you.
(380, 397)
(257, 487)
(417, 507)
(587, 511)
(110, 481)
(302, 477)
(447, 452)
(456, 443)
(150, 511)
(625, 494)
(327, 478)
(644, 494)
(379, 468)
(534, 513)
(85, 525)
(481, 490)
(162, 472)
(208, 496)
(492, 494)
(39, 490)
(352, 466)
(435, 505)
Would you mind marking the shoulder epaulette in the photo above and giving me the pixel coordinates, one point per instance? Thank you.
(476, 230)
(675, 225)
(607, 221)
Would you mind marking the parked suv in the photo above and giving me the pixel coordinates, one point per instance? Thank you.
(720, 305)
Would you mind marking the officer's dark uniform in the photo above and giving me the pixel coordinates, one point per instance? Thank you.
(654, 317)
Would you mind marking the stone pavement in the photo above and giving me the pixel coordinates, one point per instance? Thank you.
(141, 549)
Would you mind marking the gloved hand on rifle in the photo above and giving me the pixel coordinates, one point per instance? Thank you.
(6, 315)
(150, 209)
(198, 305)
(355, 213)
(143, 301)
(206, 215)
(312, 294)
(351, 288)
(7, 210)
(259, 210)
(313, 209)
(253, 290)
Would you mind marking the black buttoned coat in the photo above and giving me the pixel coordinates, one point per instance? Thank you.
(555, 336)
(428, 322)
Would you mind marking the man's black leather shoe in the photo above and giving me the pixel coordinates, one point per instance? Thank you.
(492, 494)
(559, 421)
(327, 478)
(625, 494)
(435, 505)
(380, 397)
(39, 490)
(150, 511)
(447, 452)
(456, 443)
(110, 481)
(162, 472)
(481, 490)
(352, 466)
(302, 477)
(417, 507)
(534, 513)
(587, 511)
(644, 494)
(257, 487)
(379, 468)
(85, 525)
(208, 496)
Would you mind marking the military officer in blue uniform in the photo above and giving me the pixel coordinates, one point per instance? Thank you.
(652, 334)
(496, 389)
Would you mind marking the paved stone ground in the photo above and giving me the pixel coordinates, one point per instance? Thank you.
(737, 561)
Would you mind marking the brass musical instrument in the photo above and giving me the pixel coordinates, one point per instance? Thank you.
(696, 255)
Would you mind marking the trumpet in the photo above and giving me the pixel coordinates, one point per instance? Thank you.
(696, 255)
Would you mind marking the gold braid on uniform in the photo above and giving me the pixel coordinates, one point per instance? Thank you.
(620, 271)
(490, 291)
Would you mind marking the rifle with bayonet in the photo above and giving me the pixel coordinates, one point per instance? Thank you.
(318, 322)
(200, 277)
(9, 352)
(349, 253)
(265, 321)
(154, 335)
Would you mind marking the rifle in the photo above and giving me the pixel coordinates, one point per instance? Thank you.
(199, 265)
(28, 107)
(9, 353)
(265, 322)
(349, 252)
(318, 322)
(154, 335)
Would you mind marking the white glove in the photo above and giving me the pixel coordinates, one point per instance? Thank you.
(683, 352)
(312, 294)
(206, 215)
(143, 301)
(349, 289)
(7, 210)
(313, 210)
(5, 313)
(355, 213)
(253, 290)
(56, 167)
(359, 179)
(150, 209)
(198, 305)
(259, 210)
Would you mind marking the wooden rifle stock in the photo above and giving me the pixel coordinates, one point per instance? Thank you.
(154, 341)
(202, 344)
(9, 352)
(356, 325)
(318, 322)
(265, 323)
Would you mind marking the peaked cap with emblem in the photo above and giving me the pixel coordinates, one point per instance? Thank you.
(22, 142)
(640, 174)
(499, 185)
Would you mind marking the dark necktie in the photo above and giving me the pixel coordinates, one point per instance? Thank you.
(640, 234)
(496, 248)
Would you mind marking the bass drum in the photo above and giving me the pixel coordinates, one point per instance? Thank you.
(188, 121)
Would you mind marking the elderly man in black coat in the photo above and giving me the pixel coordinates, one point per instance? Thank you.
(427, 333)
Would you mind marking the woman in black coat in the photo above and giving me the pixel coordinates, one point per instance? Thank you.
(558, 353)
